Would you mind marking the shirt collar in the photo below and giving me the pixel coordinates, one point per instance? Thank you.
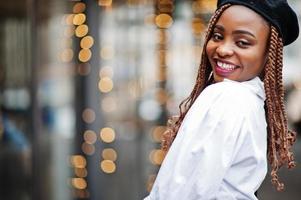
(255, 85)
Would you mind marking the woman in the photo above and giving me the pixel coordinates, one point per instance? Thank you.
(234, 119)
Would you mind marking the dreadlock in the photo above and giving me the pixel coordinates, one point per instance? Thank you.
(280, 139)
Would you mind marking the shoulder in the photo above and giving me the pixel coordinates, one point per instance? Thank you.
(230, 90)
(232, 97)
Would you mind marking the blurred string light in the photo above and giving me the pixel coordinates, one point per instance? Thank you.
(163, 21)
(157, 133)
(150, 182)
(66, 54)
(86, 42)
(80, 172)
(134, 2)
(107, 134)
(89, 115)
(198, 27)
(107, 101)
(109, 154)
(156, 156)
(165, 6)
(108, 166)
(78, 161)
(163, 36)
(77, 27)
(200, 11)
(105, 2)
(79, 183)
(79, 19)
(84, 55)
(105, 84)
(79, 7)
(81, 30)
(90, 136)
(88, 149)
(203, 7)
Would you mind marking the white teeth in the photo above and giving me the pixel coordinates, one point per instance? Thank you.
(225, 65)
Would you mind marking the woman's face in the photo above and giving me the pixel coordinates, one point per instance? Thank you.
(237, 49)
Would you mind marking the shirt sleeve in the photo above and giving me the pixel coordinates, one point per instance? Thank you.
(207, 141)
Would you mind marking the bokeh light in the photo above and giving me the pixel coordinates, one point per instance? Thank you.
(84, 55)
(156, 156)
(107, 134)
(87, 42)
(198, 26)
(166, 6)
(105, 2)
(157, 133)
(80, 172)
(79, 19)
(109, 154)
(150, 181)
(88, 115)
(79, 183)
(108, 166)
(105, 84)
(163, 20)
(88, 149)
(79, 7)
(78, 161)
(90, 136)
(81, 30)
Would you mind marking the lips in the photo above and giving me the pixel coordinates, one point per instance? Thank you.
(224, 68)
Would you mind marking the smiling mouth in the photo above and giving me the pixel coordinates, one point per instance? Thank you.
(224, 69)
(226, 66)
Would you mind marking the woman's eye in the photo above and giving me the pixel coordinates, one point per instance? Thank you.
(243, 44)
(217, 36)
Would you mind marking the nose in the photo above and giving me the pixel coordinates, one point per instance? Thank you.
(224, 50)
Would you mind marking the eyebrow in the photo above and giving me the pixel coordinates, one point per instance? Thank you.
(236, 31)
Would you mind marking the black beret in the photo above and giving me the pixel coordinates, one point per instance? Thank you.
(277, 12)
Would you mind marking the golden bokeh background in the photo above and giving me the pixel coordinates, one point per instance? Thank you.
(87, 87)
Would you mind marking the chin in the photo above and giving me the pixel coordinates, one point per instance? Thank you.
(217, 78)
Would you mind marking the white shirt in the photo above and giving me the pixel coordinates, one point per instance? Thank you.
(220, 150)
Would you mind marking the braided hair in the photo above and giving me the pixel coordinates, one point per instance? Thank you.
(280, 139)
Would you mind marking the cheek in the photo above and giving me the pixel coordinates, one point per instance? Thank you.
(254, 63)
